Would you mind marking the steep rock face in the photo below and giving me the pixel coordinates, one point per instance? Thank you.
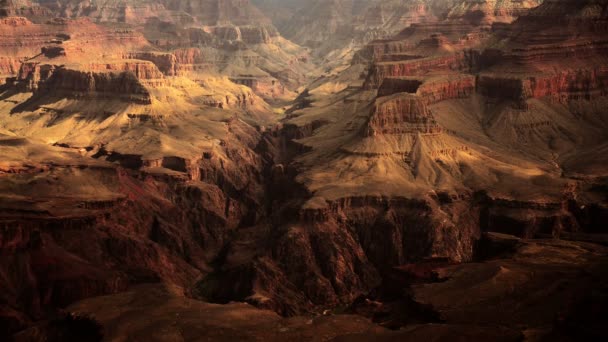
(546, 34)
(73, 40)
(264, 86)
(329, 256)
(143, 70)
(406, 229)
(165, 62)
(563, 87)
(247, 34)
(430, 90)
(542, 42)
(58, 81)
(461, 61)
(255, 35)
(8, 66)
(401, 114)
(139, 227)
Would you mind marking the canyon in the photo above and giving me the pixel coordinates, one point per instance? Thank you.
(272, 170)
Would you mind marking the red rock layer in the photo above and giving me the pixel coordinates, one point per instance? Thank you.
(401, 114)
(561, 87)
(431, 90)
(59, 81)
(461, 61)
(165, 62)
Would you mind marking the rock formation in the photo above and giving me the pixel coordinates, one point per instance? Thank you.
(163, 159)
(236, 39)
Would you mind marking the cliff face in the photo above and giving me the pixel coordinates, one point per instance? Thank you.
(74, 39)
(563, 87)
(401, 114)
(152, 210)
(459, 62)
(246, 34)
(543, 41)
(8, 66)
(165, 62)
(57, 81)
(430, 91)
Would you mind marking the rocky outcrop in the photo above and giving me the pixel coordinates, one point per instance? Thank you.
(161, 227)
(401, 114)
(255, 35)
(562, 87)
(165, 62)
(431, 90)
(266, 87)
(9, 66)
(23, 40)
(46, 79)
(545, 33)
(461, 61)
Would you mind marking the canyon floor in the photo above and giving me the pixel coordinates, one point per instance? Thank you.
(338, 171)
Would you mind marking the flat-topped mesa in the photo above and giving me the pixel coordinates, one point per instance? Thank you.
(460, 61)
(431, 90)
(192, 60)
(165, 62)
(264, 86)
(401, 114)
(47, 79)
(255, 34)
(145, 71)
(446, 88)
(562, 87)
